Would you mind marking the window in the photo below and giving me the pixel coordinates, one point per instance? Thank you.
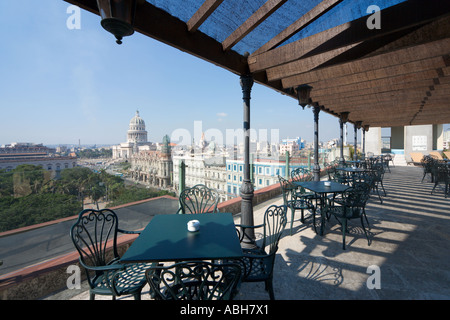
(260, 182)
(240, 168)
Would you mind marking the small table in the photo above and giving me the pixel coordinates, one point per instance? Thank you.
(319, 188)
(352, 169)
(166, 238)
(352, 172)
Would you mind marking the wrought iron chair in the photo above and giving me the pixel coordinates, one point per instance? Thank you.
(194, 280)
(94, 235)
(257, 263)
(441, 174)
(352, 206)
(337, 176)
(296, 198)
(378, 175)
(198, 199)
(428, 163)
(301, 174)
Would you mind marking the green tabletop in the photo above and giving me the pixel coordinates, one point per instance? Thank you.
(166, 238)
(353, 170)
(319, 186)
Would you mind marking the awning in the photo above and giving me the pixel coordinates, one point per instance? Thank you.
(387, 68)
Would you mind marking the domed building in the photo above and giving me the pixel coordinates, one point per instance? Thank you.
(136, 140)
(136, 132)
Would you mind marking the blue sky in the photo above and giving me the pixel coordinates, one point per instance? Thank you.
(59, 86)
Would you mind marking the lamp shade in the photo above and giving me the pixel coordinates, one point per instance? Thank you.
(303, 95)
(117, 17)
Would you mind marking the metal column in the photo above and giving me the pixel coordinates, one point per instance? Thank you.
(246, 190)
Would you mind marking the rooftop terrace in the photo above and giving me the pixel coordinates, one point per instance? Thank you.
(409, 243)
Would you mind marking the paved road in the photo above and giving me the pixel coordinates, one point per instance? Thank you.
(24, 249)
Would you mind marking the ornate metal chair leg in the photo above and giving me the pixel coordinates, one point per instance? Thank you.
(344, 230)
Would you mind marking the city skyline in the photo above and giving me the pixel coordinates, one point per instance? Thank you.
(62, 86)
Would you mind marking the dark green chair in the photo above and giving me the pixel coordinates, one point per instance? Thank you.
(441, 174)
(378, 176)
(296, 198)
(258, 262)
(198, 199)
(94, 235)
(301, 174)
(428, 164)
(352, 206)
(194, 280)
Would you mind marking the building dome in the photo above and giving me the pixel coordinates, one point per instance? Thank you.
(137, 121)
(136, 130)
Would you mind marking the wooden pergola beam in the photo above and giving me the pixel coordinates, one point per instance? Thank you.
(206, 9)
(172, 31)
(298, 25)
(251, 23)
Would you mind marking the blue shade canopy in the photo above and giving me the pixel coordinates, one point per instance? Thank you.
(231, 14)
(395, 72)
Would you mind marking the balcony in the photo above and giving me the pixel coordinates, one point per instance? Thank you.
(409, 243)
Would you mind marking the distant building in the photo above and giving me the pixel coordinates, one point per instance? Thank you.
(16, 154)
(264, 172)
(153, 167)
(291, 145)
(136, 140)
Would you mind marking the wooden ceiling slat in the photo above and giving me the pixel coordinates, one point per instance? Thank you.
(422, 69)
(397, 57)
(251, 23)
(410, 81)
(205, 10)
(298, 25)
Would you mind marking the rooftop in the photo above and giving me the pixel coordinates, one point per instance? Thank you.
(409, 243)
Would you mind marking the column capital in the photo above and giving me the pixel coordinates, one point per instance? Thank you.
(246, 85)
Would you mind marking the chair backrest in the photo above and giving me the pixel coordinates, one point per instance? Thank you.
(286, 189)
(274, 223)
(93, 233)
(301, 174)
(356, 197)
(441, 172)
(194, 280)
(199, 199)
